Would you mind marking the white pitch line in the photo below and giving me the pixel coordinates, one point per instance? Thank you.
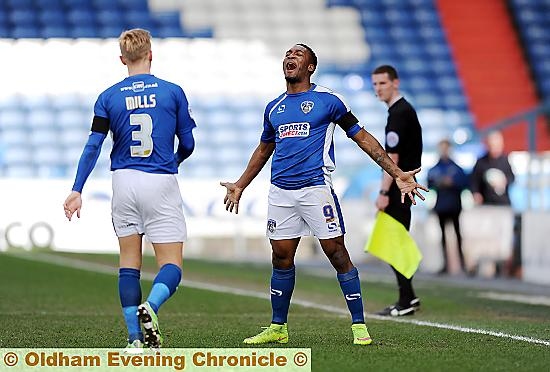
(106, 269)
(519, 298)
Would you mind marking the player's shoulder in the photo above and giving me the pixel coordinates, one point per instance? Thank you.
(167, 84)
(330, 97)
(402, 105)
(327, 93)
(273, 102)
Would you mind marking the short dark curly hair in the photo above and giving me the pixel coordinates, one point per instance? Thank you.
(311, 53)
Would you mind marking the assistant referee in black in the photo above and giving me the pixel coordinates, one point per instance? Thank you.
(404, 146)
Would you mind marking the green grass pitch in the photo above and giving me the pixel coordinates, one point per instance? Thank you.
(49, 305)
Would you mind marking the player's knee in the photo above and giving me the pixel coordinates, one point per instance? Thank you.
(282, 262)
(340, 260)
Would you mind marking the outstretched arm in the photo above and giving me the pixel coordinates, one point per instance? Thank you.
(405, 180)
(259, 158)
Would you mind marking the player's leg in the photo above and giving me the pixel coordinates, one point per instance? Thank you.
(284, 229)
(128, 228)
(129, 288)
(321, 210)
(348, 277)
(283, 279)
(164, 224)
(169, 260)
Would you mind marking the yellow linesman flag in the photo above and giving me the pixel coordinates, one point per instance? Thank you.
(392, 243)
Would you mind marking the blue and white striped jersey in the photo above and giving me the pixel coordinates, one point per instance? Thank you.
(302, 126)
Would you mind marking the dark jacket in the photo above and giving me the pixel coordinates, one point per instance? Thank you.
(448, 193)
(491, 177)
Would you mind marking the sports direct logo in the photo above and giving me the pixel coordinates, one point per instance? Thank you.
(294, 130)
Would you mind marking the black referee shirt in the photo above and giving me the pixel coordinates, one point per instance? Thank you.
(404, 135)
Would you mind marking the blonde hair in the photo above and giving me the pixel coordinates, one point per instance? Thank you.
(135, 44)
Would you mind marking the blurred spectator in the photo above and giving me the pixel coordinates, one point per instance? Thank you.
(449, 180)
(492, 174)
(491, 179)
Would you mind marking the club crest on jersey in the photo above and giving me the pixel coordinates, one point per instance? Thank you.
(271, 226)
(307, 106)
(293, 130)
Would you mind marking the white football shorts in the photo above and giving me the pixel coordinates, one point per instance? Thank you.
(312, 210)
(147, 203)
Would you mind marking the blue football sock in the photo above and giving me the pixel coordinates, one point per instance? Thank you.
(129, 291)
(164, 286)
(282, 286)
(351, 288)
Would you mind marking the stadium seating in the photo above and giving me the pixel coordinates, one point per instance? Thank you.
(351, 37)
(533, 21)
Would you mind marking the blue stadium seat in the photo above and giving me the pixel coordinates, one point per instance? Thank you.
(5, 32)
(52, 18)
(78, 4)
(43, 137)
(139, 5)
(13, 118)
(110, 31)
(40, 119)
(73, 118)
(13, 136)
(19, 171)
(167, 19)
(17, 155)
(140, 19)
(82, 18)
(55, 32)
(106, 5)
(84, 32)
(23, 18)
(20, 5)
(54, 5)
(110, 18)
(74, 138)
(25, 32)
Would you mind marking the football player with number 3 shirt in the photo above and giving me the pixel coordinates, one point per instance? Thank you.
(144, 114)
(298, 130)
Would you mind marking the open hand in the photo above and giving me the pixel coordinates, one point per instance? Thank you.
(232, 197)
(408, 186)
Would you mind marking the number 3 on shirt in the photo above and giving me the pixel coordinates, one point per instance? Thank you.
(143, 135)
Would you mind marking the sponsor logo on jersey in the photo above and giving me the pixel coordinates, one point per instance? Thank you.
(353, 296)
(271, 225)
(307, 106)
(139, 86)
(281, 109)
(275, 292)
(294, 130)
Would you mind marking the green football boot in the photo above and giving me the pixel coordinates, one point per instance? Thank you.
(277, 333)
(360, 334)
(151, 330)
